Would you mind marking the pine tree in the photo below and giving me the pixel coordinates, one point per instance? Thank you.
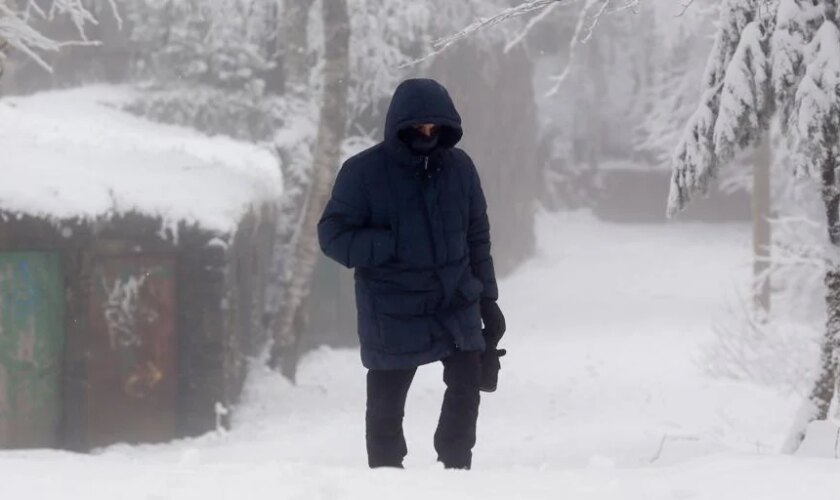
(781, 58)
(815, 122)
(697, 159)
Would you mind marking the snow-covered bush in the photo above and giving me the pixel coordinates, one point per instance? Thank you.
(779, 347)
(207, 65)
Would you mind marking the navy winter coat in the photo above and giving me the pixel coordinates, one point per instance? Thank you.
(415, 229)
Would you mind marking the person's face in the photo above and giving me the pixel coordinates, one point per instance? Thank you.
(427, 129)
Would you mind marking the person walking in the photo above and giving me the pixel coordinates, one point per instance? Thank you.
(409, 215)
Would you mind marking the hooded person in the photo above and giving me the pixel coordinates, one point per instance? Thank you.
(410, 217)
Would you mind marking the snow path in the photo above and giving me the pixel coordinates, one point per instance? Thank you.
(605, 360)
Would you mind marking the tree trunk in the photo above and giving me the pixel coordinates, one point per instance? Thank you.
(4, 48)
(596, 90)
(761, 207)
(823, 390)
(295, 164)
(272, 45)
(331, 129)
(826, 381)
(295, 54)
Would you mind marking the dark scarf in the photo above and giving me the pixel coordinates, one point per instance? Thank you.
(418, 143)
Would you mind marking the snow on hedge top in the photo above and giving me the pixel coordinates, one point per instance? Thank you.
(68, 154)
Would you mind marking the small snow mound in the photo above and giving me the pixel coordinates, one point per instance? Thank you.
(822, 440)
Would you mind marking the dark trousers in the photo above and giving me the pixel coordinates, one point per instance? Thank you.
(455, 435)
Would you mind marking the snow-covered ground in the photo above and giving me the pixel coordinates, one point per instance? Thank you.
(602, 396)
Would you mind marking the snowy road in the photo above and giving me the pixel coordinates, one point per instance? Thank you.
(603, 396)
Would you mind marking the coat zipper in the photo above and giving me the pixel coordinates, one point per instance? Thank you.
(429, 176)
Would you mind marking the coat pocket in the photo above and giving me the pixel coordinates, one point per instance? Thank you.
(468, 291)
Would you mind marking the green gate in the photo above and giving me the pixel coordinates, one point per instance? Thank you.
(31, 344)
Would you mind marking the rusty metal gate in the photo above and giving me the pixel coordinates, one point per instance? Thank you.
(132, 369)
(31, 346)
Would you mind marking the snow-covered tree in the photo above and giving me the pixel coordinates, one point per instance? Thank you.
(17, 30)
(208, 66)
(735, 108)
(815, 123)
(782, 58)
(735, 80)
(326, 156)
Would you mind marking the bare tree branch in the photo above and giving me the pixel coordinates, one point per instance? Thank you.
(528, 27)
(685, 6)
(600, 7)
(17, 32)
(442, 44)
(595, 19)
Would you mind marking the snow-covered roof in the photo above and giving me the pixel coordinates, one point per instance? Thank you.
(74, 153)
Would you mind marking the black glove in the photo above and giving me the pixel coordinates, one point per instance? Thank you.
(494, 322)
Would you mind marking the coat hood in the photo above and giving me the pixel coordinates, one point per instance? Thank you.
(421, 100)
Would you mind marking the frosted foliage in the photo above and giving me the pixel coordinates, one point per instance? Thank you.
(387, 35)
(734, 17)
(780, 347)
(745, 96)
(817, 107)
(779, 57)
(17, 18)
(214, 64)
(384, 37)
(695, 160)
(208, 64)
(794, 20)
(218, 43)
(295, 140)
(240, 114)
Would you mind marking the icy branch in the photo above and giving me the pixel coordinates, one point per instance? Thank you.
(17, 32)
(600, 7)
(442, 44)
(529, 26)
(685, 6)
